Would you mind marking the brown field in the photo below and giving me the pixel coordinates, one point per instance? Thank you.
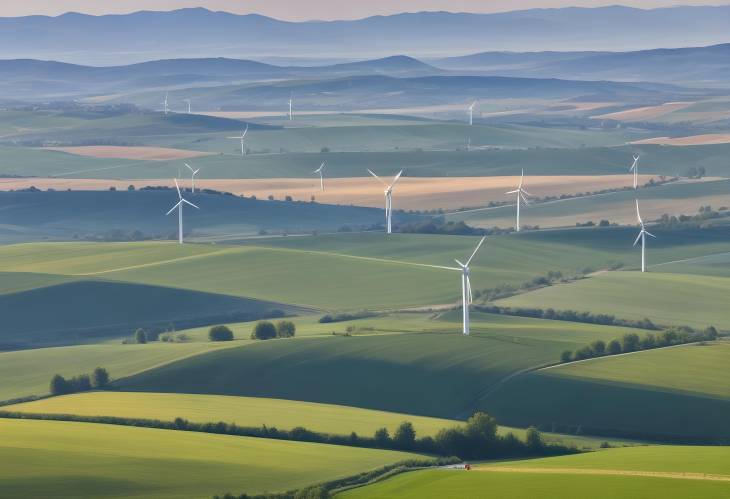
(644, 113)
(411, 193)
(692, 140)
(127, 152)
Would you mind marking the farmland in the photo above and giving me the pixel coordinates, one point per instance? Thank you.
(45, 456)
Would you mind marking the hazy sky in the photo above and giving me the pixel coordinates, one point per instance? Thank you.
(314, 9)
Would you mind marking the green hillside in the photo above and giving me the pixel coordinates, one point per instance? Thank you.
(672, 299)
(675, 393)
(637, 472)
(45, 458)
(382, 371)
(28, 372)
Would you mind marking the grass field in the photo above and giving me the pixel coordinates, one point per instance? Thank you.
(50, 458)
(665, 298)
(29, 372)
(637, 472)
(381, 370)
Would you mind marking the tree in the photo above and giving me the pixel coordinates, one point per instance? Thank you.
(534, 439)
(80, 383)
(263, 330)
(566, 356)
(59, 385)
(220, 333)
(599, 348)
(285, 329)
(382, 437)
(140, 336)
(630, 342)
(481, 427)
(100, 377)
(614, 347)
(405, 435)
(711, 333)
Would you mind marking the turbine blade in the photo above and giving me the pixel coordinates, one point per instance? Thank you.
(512, 192)
(178, 189)
(638, 237)
(649, 234)
(379, 179)
(475, 250)
(524, 199)
(188, 202)
(460, 264)
(638, 215)
(244, 132)
(468, 290)
(173, 208)
(189, 167)
(522, 177)
(396, 178)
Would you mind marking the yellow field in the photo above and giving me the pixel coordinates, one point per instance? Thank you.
(692, 140)
(128, 152)
(644, 113)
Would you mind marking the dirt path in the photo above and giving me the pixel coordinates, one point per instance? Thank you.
(591, 471)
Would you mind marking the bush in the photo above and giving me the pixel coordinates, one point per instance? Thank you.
(100, 377)
(599, 348)
(614, 347)
(285, 329)
(140, 336)
(630, 342)
(534, 439)
(264, 330)
(59, 385)
(220, 333)
(566, 356)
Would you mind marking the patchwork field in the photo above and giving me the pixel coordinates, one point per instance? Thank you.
(692, 140)
(646, 113)
(130, 152)
(639, 473)
(92, 460)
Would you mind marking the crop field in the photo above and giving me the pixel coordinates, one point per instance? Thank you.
(713, 265)
(670, 299)
(28, 372)
(381, 369)
(130, 152)
(637, 472)
(691, 140)
(43, 457)
(415, 193)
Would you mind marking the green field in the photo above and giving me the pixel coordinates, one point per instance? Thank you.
(53, 458)
(382, 370)
(29, 372)
(607, 474)
(672, 299)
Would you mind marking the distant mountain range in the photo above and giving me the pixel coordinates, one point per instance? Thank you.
(195, 33)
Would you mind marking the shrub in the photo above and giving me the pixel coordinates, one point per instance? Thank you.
(140, 336)
(566, 356)
(220, 333)
(534, 439)
(59, 385)
(614, 347)
(630, 342)
(599, 348)
(100, 377)
(285, 329)
(263, 330)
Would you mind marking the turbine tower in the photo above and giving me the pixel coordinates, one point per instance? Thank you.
(320, 170)
(388, 198)
(193, 173)
(179, 207)
(635, 168)
(291, 100)
(471, 113)
(466, 295)
(241, 137)
(189, 105)
(522, 195)
(164, 104)
(642, 236)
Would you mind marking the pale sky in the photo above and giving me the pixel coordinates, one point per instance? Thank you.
(298, 10)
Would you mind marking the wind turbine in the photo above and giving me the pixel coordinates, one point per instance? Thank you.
(193, 173)
(642, 236)
(320, 170)
(189, 105)
(243, 135)
(164, 104)
(521, 196)
(291, 99)
(466, 295)
(388, 198)
(179, 207)
(635, 168)
(471, 113)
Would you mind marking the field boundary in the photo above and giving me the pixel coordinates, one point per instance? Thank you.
(598, 471)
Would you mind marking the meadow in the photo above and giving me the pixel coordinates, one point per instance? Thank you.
(42, 458)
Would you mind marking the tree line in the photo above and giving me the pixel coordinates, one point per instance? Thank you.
(631, 342)
(98, 379)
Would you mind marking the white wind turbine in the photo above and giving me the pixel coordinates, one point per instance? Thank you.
(635, 168)
(179, 207)
(642, 236)
(320, 170)
(521, 196)
(291, 100)
(388, 198)
(471, 112)
(243, 135)
(189, 105)
(164, 104)
(193, 173)
(466, 295)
